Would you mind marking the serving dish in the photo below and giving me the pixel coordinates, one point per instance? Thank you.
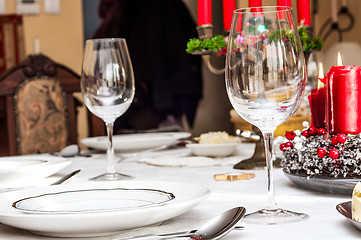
(323, 184)
(213, 150)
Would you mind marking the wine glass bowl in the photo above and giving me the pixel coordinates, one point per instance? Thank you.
(265, 82)
(107, 85)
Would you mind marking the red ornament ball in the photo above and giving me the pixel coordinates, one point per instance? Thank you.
(334, 153)
(334, 140)
(290, 135)
(341, 137)
(305, 133)
(321, 152)
(282, 147)
(321, 131)
(312, 131)
(289, 144)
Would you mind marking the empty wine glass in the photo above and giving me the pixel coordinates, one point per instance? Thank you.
(265, 82)
(107, 85)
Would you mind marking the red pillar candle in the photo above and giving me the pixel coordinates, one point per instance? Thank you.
(303, 12)
(204, 12)
(344, 99)
(228, 7)
(284, 3)
(317, 101)
(256, 4)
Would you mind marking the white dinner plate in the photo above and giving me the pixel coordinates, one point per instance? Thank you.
(92, 200)
(101, 223)
(18, 164)
(213, 150)
(135, 142)
(22, 170)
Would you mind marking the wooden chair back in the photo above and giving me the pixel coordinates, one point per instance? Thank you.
(40, 106)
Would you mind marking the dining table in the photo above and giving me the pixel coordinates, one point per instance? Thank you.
(324, 221)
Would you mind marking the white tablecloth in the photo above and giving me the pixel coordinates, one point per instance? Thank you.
(324, 222)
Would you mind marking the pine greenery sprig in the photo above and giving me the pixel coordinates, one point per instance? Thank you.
(214, 44)
(309, 43)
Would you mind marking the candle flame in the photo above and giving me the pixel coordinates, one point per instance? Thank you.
(320, 72)
(320, 76)
(339, 59)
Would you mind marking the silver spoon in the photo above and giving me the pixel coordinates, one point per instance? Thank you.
(215, 228)
(71, 151)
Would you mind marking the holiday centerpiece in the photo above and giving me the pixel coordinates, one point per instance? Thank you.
(331, 147)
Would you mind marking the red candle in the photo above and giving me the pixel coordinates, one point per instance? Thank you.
(285, 3)
(228, 7)
(204, 12)
(344, 99)
(303, 12)
(317, 101)
(256, 4)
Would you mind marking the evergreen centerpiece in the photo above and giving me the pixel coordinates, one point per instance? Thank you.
(218, 43)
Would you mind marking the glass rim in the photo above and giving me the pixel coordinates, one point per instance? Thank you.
(248, 9)
(106, 40)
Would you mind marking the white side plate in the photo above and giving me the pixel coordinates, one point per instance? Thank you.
(135, 142)
(22, 170)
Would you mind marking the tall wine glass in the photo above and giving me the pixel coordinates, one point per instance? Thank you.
(265, 81)
(107, 85)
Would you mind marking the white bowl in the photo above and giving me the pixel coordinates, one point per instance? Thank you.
(213, 150)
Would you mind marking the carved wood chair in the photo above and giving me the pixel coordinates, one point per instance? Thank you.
(40, 106)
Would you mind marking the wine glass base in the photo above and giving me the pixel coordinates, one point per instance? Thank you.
(112, 177)
(274, 216)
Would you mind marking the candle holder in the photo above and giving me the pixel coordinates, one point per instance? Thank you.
(206, 31)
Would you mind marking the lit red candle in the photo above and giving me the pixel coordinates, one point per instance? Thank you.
(303, 12)
(228, 7)
(204, 12)
(256, 4)
(344, 99)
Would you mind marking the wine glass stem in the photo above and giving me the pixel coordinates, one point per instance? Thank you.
(268, 139)
(110, 151)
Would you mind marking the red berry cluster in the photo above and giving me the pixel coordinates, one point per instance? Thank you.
(290, 135)
(286, 146)
(313, 131)
(333, 153)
